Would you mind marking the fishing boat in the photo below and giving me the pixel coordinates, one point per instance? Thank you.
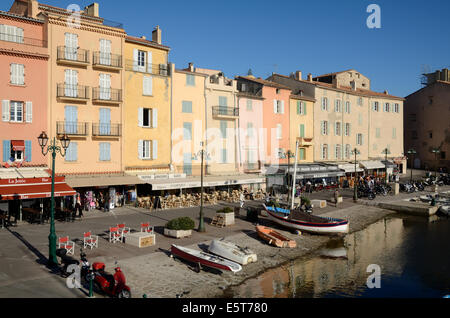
(205, 259)
(273, 237)
(303, 221)
(231, 251)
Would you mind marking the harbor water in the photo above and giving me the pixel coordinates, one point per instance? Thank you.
(412, 254)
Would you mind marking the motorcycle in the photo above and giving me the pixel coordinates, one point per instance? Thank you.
(65, 261)
(112, 285)
(366, 192)
(380, 189)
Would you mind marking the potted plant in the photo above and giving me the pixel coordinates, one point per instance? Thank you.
(179, 227)
(228, 215)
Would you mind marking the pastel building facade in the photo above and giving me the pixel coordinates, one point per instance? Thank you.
(302, 127)
(146, 118)
(23, 89)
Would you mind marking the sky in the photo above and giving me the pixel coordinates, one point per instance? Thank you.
(284, 36)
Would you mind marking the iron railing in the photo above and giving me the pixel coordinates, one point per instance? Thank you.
(156, 69)
(72, 91)
(72, 128)
(65, 53)
(106, 94)
(107, 59)
(225, 111)
(22, 40)
(100, 129)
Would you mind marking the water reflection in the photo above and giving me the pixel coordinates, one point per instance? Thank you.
(340, 268)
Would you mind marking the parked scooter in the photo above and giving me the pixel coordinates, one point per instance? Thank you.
(65, 261)
(112, 285)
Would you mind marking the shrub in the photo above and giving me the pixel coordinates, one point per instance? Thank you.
(306, 201)
(182, 223)
(225, 210)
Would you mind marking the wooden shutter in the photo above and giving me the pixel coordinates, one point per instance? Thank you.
(223, 128)
(282, 106)
(6, 150)
(149, 62)
(298, 107)
(302, 130)
(140, 149)
(29, 112)
(155, 149)
(304, 108)
(135, 59)
(148, 85)
(140, 116)
(154, 118)
(5, 110)
(274, 106)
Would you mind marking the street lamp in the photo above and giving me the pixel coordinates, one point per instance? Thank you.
(435, 151)
(53, 148)
(355, 151)
(411, 152)
(386, 152)
(202, 153)
(289, 154)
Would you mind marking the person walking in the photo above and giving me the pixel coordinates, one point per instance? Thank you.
(79, 207)
(336, 196)
(107, 201)
(241, 199)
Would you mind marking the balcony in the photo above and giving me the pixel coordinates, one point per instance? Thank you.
(225, 112)
(72, 128)
(106, 130)
(72, 92)
(72, 56)
(107, 61)
(22, 40)
(250, 167)
(154, 69)
(103, 95)
(305, 141)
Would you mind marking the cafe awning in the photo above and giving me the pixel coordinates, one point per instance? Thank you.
(33, 188)
(314, 171)
(372, 164)
(18, 145)
(389, 164)
(80, 181)
(350, 168)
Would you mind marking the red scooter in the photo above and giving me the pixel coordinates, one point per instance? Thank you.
(114, 286)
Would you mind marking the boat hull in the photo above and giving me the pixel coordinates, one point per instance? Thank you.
(232, 252)
(274, 238)
(322, 228)
(205, 259)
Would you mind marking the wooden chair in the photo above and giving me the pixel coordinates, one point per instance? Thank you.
(90, 240)
(146, 227)
(66, 243)
(115, 235)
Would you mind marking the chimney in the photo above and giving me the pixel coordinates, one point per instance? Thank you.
(298, 75)
(92, 10)
(32, 9)
(385, 92)
(353, 84)
(335, 82)
(310, 77)
(143, 37)
(156, 35)
(191, 67)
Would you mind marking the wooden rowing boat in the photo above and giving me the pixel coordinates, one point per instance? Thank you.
(231, 251)
(205, 259)
(273, 237)
(303, 221)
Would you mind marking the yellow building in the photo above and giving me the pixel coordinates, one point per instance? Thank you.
(146, 125)
(188, 119)
(301, 123)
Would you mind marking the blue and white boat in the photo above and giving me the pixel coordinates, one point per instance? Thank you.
(306, 222)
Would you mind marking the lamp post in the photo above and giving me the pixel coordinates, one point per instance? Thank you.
(53, 148)
(411, 152)
(202, 153)
(386, 152)
(289, 154)
(435, 151)
(355, 194)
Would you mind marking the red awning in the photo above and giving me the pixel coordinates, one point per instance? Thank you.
(33, 188)
(18, 145)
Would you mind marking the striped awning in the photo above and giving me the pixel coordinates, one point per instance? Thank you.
(33, 188)
(18, 145)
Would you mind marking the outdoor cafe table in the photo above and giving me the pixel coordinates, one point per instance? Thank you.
(32, 214)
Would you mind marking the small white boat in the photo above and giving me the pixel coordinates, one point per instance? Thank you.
(445, 209)
(231, 251)
(205, 259)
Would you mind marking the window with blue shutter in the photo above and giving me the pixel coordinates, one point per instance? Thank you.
(6, 150)
(187, 131)
(302, 130)
(249, 104)
(223, 128)
(190, 80)
(28, 150)
(105, 121)
(302, 153)
(71, 119)
(187, 163)
(186, 106)
(105, 151)
(223, 102)
(72, 152)
(224, 156)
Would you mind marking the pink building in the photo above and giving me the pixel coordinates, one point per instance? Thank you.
(23, 89)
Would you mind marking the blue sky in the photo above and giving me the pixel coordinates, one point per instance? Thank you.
(283, 36)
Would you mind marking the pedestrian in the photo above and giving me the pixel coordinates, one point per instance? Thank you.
(336, 196)
(241, 199)
(79, 208)
(106, 202)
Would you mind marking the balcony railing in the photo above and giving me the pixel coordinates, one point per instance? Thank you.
(111, 130)
(107, 94)
(72, 128)
(156, 69)
(72, 91)
(69, 54)
(22, 40)
(225, 111)
(107, 59)
(252, 166)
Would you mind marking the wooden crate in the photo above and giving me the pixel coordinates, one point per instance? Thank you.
(140, 239)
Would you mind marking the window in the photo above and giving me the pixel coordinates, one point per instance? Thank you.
(360, 119)
(148, 117)
(147, 85)
(375, 106)
(377, 132)
(337, 106)
(430, 134)
(16, 112)
(278, 106)
(17, 74)
(105, 52)
(279, 131)
(187, 131)
(302, 130)
(359, 139)
(396, 108)
(324, 103)
(337, 128)
(301, 153)
(223, 101)
(278, 91)
(105, 151)
(224, 156)
(394, 133)
(72, 152)
(250, 130)
(301, 108)
(249, 105)
(347, 107)
(223, 128)
(347, 151)
(338, 152)
(71, 83)
(324, 151)
(141, 59)
(71, 49)
(347, 129)
(190, 80)
(386, 107)
(324, 127)
(105, 86)
(145, 149)
(186, 106)
(360, 101)
(11, 33)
